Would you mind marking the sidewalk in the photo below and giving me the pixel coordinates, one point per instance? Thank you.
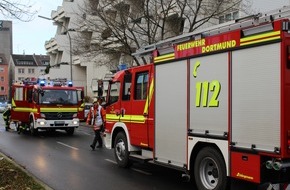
(21, 168)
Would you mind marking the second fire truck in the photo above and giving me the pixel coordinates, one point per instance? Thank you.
(214, 104)
(46, 105)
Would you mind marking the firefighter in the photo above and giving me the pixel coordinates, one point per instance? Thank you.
(96, 119)
(6, 117)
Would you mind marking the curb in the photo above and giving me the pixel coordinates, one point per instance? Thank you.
(25, 171)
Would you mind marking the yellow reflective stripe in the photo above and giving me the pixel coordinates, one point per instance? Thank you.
(149, 97)
(261, 38)
(13, 103)
(58, 109)
(259, 41)
(138, 118)
(126, 118)
(269, 34)
(22, 109)
(112, 117)
(82, 107)
(162, 58)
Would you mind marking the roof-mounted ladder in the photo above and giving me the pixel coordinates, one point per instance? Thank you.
(241, 23)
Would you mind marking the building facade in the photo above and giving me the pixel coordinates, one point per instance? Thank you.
(61, 47)
(27, 66)
(4, 78)
(5, 52)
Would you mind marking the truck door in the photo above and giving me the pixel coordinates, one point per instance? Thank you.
(20, 109)
(81, 104)
(136, 89)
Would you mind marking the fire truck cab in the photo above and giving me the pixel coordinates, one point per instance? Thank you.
(46, 105)
(214, 103)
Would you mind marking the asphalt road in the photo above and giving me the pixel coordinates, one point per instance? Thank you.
(66, 162)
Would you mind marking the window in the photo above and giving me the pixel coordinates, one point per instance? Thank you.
(228, 17)
(141, 86)
(18, 95)
(2, 89)
(21, 70)
(235, 15)
(30, 71)
(25, 62)
(2, 79)
(20, 78)
(1, 69)
(45, 62)
(35, 96)
(127, 87)
(114, 92)
(64, 97)
(29, 95)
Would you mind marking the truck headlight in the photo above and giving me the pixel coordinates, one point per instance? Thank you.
(42, 123)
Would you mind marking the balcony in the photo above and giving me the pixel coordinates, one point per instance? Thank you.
(51, 46)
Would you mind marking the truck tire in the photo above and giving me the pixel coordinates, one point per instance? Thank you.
(210, 170)
(70, 131)
(33, 131)
(121, 150)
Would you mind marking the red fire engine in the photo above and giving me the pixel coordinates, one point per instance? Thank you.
(214, 103)
(49, 105)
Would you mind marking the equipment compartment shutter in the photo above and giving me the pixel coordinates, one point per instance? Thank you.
(256, 97)
(171, 113)
(209, 87)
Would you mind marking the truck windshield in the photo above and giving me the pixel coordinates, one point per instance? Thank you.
(68, 97)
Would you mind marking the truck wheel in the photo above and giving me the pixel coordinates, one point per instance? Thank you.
(33, 131)
(210, 170)
(121, 150)
(70, 131)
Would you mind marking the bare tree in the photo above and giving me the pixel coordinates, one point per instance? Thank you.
(122, 27)
(21, 10)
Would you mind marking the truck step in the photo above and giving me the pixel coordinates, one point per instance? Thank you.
(139, 158)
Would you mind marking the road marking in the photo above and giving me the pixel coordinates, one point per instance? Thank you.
(112, 161)
(67, 145)
(141, 171)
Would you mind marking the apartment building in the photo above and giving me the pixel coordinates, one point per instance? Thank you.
(5, 52)
(4, 78)
(61, 47)
(27, 66)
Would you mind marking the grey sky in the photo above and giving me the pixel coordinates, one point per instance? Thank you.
(267, 5)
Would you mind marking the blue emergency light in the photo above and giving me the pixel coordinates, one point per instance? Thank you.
(42, 83)
(70, 83)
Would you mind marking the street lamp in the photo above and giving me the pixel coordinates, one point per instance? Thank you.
(69, 37)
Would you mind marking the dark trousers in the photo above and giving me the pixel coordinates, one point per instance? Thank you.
(98, 139)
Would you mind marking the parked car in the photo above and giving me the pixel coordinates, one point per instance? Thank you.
(87, 110)
(3, 106)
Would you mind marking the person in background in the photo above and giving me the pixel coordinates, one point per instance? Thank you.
(96, 119)
(6, 117)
